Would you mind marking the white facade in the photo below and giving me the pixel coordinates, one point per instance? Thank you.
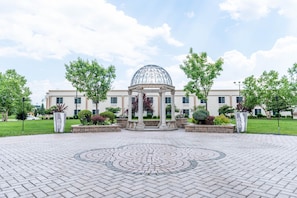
(119, 98)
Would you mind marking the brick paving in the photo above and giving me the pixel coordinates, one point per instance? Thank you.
(148, 164)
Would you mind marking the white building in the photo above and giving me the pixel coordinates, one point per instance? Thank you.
(76, 101)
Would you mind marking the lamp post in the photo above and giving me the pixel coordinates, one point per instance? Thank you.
(75, 104)
(23, 116)
(278, 114)
(238, 83)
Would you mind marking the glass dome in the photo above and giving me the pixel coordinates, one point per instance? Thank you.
(151, 74)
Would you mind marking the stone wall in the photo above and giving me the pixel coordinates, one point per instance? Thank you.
(209, 128)
(122, 122)
(95, 128)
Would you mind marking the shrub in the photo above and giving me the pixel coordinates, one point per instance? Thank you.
(221, 120)
(108, 114)
(98, 119)
(210, 120)
(200, 116)
(84, 117)
(22, 115)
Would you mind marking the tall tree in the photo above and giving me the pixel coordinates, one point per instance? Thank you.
(267, 91)
(293, 83)
(91, 78)
(201, 72)
(12, 91)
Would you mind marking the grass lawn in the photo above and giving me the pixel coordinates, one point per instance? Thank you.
(287, 126)
(31, 127)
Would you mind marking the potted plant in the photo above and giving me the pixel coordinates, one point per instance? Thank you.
(241, 117)
(59, 117)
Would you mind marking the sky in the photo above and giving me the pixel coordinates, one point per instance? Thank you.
(38, 37)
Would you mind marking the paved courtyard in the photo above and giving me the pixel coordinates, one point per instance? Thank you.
(148, 164)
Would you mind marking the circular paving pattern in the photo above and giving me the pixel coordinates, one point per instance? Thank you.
(149, 159)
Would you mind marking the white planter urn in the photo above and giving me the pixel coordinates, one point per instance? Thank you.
(241, 121)
(59, 121)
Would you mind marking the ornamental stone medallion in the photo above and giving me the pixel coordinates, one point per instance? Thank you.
(149, 159)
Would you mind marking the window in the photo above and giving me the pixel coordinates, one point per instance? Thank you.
(59, 100)
(76, 112)
(133, 100)
(113, 100)
(258, 112)
(77, 100)
(186, 112)
(151, 99)
(203, 101)
(239, 99)
(167, 100)
(221, 100)
(185, 100)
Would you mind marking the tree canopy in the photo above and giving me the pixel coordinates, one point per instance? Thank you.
(91, 78)
(201, 73)
(267, 91)
(12, 91)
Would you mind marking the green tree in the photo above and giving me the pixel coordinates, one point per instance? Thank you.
(41, 110)
(91, 78)
(12, 91)
(263, 90)
(293, 83)
(201, 74)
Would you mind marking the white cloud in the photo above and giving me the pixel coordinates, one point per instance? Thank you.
(54, 29)
(238, 66)
(255, 9)
(190, 14)
(40, 87)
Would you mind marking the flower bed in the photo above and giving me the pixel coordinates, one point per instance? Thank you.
(95, 128)
(210, 128)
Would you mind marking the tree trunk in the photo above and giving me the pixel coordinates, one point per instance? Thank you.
(5, 116)
(268, 114)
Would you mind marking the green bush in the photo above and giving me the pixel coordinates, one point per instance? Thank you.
(109, 115)
(200, 116)
(84, 117)
(98, 119)
(22, 115)
(221, 120)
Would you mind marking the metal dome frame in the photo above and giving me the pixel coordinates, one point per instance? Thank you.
(151, 74)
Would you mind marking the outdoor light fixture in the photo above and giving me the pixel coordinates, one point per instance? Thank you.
(23, 115)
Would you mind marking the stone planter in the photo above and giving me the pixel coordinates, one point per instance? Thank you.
(241, 121)
(95, 128)
(181, 122)
(59, 121)
(209, 128)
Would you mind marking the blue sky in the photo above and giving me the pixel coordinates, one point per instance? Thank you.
(37, 38)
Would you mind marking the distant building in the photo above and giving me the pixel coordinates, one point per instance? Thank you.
(77, 101)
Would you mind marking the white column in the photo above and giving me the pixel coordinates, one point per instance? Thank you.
(140, 124)
(130, 106)
(172, 106)
(163, 111)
